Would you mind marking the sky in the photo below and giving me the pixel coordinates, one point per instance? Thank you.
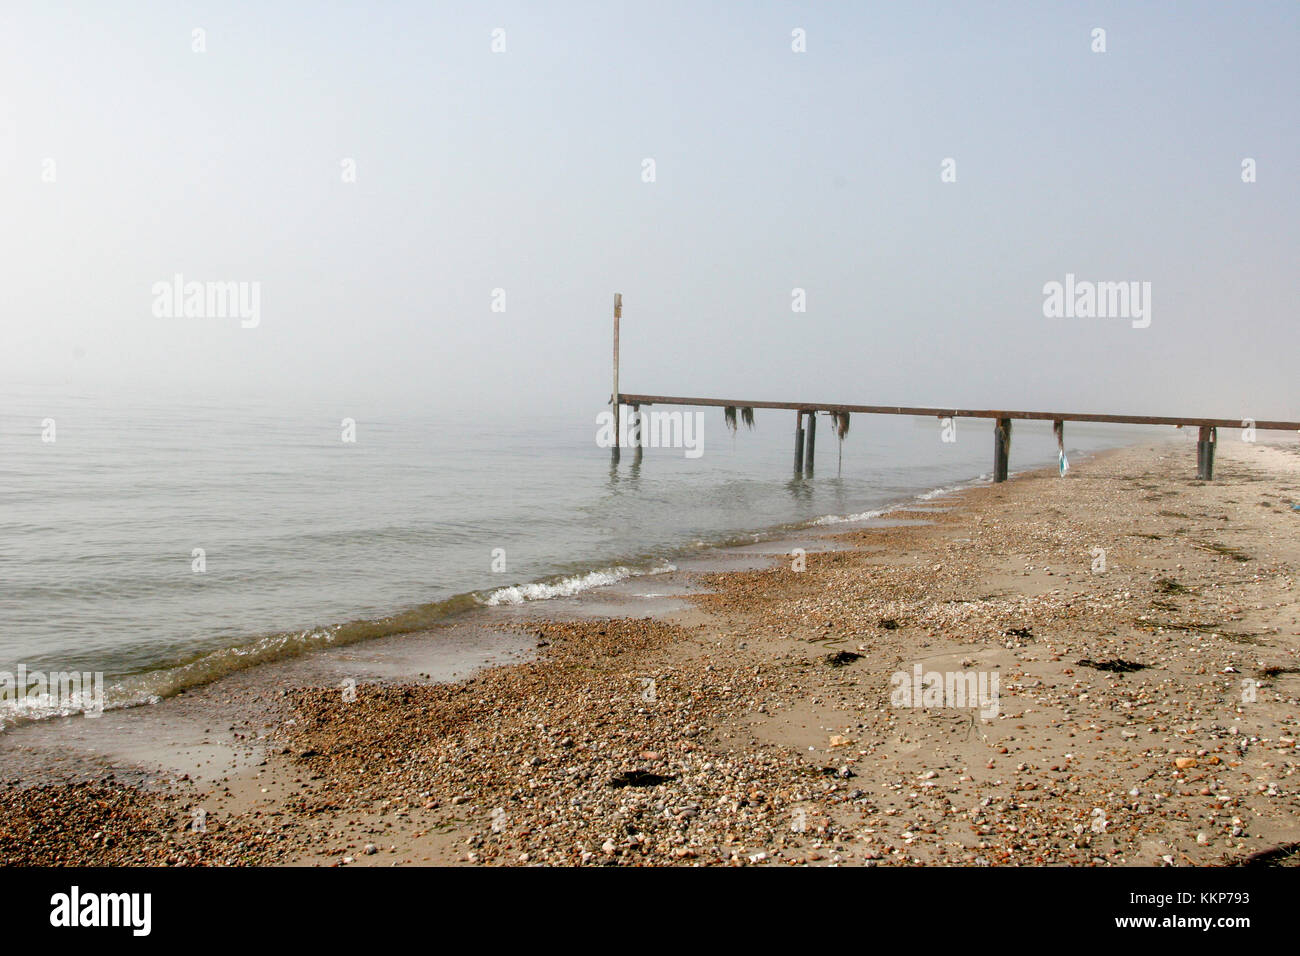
(128, 155)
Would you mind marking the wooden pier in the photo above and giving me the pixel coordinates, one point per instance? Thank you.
(806, 433)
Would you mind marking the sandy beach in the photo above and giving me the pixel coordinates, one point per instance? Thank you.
(1136, 632)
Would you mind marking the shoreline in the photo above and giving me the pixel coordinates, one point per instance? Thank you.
(767, 752)
(148, 688)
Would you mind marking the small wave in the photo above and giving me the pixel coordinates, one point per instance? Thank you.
(881, 512)
(567, 587)
(842, 519)
(149, 687)
(44, 706)
(938, 492)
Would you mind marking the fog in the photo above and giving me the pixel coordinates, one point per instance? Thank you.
(433, 224)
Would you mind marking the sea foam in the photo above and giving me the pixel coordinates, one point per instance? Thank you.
(566, 587)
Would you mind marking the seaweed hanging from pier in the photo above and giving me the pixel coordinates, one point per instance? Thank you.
(841, 420)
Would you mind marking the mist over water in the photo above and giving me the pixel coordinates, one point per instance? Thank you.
(302, 531)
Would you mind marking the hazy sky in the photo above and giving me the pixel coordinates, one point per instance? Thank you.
(522, 170)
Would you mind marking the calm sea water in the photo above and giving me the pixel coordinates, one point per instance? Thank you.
(308, 539)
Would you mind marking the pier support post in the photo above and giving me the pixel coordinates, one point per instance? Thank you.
(811, 446)
(1001, 449)
(798, 441)
(1208, 438)
(634, 433)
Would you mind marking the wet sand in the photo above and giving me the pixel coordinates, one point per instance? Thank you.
(718, 715)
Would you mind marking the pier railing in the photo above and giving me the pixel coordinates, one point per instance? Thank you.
(806, 434)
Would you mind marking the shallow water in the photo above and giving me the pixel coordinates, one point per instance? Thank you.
(308, 540)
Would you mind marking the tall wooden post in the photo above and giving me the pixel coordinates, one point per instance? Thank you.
(1206, 440)
(1062, 465)
(1001, 449)
(798, 441)
(811, 446)
(618, 314)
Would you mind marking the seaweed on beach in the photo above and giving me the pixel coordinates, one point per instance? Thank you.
(1148, 624)
(1277, 670)
(1170, 586)
(1115, 666)
(1024, 633)
(1228, 552)
(638, 778)
(1241, 638)
(1285, 854)
(889, 624)
(840, 658)
(1215, 630)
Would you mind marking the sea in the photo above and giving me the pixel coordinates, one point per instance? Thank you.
(165, 545)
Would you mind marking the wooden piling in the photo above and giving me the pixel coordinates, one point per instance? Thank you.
(634, 433)
(1001, 449)
(1206, 440)
(811, 445)
(618, 314)
(798, 441)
